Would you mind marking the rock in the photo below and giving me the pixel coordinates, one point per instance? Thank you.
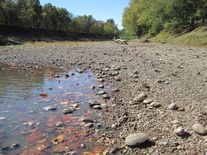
(180, 131)
(145, 85)
(173, 106)
(93, 103)
(93, 87)
(106, 96)
(136, 139)
(101, 92)
(14, 146)
(101, 86)
(140, 98)
(135, 76)
(147, 101)
(2, 118)
(135, 72)
(117, 78)
(114, 74)
(115, 90)
(199, 128)
(49, 108)
(97, 107)
(87, 120)
(101, 80)
(99, 125)
(155, 105)
(69, 110)
(59, 124)
(89, 125)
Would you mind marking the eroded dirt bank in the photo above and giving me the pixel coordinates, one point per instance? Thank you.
(166, 74)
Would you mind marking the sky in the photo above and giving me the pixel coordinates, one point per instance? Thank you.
(99, 9)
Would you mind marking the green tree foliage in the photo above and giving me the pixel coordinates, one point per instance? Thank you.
(152, 16)
(109, 27)
(30, 14)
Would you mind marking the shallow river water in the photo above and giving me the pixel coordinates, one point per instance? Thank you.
(32, 120)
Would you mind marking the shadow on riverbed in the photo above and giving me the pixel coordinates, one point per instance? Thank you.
(13, 35)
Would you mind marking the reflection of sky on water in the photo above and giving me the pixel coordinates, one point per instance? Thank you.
(20, 101)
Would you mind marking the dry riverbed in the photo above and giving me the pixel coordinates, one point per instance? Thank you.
(157, 92)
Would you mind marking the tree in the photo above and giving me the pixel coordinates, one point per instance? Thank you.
(109, 27)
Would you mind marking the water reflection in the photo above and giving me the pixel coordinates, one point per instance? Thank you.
(23, 96)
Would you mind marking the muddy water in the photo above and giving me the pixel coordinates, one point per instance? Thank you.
(28, 127)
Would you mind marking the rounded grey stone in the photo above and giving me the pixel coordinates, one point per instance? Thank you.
(199, 128)
(140, 98)
(136, 139)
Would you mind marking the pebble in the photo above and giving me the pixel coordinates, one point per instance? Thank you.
(199, 128)
(173, 106)
(101, 92)
(93, 87)
(135, 76)
(49, 108)
(59, 124)
(136, 139)
(101, 80)
(68, 110)
(117, 78)
(93, 103)
(115, 90)
(97, 107)
(106, 96)
(155, 105)
(147, 101)
(180, 131)
(135, 72)
(2, 118)
(87, 120)
(89, 125)
(101, 86)
(140, 98)
(99, 125)
(14, 146)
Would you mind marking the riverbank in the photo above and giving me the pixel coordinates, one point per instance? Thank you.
(197, 37)
(14, 35)
(165, 73)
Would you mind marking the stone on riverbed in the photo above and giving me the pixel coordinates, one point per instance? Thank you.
(97, 107)
(106, 96)
(2, 118)
(147, 101)
(173, 106)
(180, 131)
(49, 108)
(69, 110)
(93, 103)
(136, 139)
(155, 105)
(140, 98)
(199, 128)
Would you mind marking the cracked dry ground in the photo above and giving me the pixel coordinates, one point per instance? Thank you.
(166, 73)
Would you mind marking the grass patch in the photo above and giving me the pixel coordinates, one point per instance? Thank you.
(197, 37)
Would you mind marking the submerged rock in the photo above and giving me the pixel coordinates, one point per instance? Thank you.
(93, 103)
(49, 108)
(69, 110)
